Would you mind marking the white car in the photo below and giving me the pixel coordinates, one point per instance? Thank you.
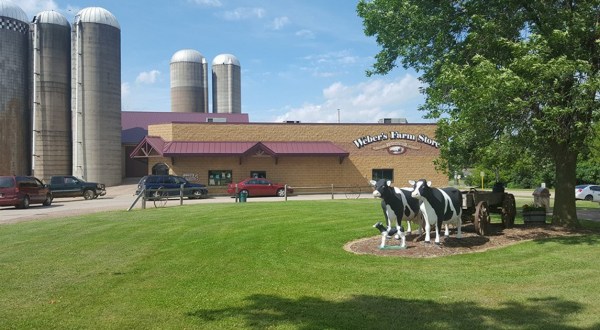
(588, 192)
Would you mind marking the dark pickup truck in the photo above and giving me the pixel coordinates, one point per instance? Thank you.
(70, 186)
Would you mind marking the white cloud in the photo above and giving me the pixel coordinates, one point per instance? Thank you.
(33, 7)
(279, 22)
(340, 57)
(244, 13)
(306, 34)
(207, 3)
(361, 103)
(149, 77)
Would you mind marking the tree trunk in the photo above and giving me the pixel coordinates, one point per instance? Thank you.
(565, 212)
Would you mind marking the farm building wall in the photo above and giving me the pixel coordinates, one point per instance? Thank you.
(408, 150)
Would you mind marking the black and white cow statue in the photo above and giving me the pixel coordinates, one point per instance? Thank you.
(438, 206)
(397, 205)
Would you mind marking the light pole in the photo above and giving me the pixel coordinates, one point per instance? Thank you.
(338, 111)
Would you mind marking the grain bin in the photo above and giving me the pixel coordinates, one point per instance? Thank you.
(189, 82)
(15, 108)
(96, 96)
(226, 84)
(51, 139)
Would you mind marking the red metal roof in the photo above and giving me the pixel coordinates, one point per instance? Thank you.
(206, 148)
(324, 148)
(157, 146)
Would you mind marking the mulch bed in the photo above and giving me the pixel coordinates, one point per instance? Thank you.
(470, 242)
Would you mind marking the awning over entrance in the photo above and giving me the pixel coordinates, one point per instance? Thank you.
(152, 146)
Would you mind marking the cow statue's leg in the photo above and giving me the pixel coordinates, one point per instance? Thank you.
(401, 236)
(437, 233)
(384, 233)
(446, 230)
(459, 225)
(408, 229)
(428, 222)
(428, 232)
(399, 231)
(391, 216)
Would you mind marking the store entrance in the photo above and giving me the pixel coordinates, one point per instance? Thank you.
(160, 169)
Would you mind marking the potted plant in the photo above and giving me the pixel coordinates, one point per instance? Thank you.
(534, 214)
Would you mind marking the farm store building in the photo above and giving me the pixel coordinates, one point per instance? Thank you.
(301, 155)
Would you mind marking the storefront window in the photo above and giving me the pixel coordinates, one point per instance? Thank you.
(258, 174)
(387, 174)
(219, 178)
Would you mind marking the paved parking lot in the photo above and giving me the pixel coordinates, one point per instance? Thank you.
(122, 197)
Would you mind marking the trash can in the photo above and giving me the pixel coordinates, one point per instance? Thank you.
(243, 196)
(541, 198)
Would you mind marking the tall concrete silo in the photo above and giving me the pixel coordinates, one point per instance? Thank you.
(189, 82)
(96, 96)
(51, 140)
(15, 128)
(226, 84)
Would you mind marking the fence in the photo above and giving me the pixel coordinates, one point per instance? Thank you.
(160, 196)
(349, 192)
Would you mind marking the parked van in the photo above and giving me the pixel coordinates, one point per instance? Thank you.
(21, 191)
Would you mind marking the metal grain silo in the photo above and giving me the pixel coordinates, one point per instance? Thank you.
(189, 82)
(15, 129)
(96, 96)
(51, 141)
(226, 84)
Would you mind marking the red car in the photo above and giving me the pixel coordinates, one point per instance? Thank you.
(259, 187)
(21, 191)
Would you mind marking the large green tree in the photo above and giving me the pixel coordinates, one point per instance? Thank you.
(505, 78)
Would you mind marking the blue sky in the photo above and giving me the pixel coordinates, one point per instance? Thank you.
(301, 59)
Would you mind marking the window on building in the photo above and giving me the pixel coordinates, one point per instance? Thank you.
(383, 173)
(216, 120)
(258, 174)
(219, 177)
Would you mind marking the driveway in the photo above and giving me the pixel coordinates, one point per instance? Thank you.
(122, 197)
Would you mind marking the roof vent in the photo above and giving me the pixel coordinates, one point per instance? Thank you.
(393, 121)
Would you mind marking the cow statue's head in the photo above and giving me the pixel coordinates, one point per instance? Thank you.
(419, 187)
(382, 187)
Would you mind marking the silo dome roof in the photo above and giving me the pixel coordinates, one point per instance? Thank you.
(9, 9)
(188, 55)
(97, 15)
(226, 59)
(51, 17)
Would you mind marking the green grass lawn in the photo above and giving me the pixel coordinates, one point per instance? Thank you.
(279, 266)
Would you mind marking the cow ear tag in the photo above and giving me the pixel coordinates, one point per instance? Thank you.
(429, 183)
(389, 183)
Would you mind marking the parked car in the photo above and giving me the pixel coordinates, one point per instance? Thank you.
(588, 192)
(21, 191)
(170, 185)
(70, 186)
(259, 187)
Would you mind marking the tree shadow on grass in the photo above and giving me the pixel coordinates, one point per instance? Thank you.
(583, 238)
(364, 311)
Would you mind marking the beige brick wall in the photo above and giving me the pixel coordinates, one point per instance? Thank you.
(415, 163)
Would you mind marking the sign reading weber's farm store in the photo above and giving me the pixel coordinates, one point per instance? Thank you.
(395, 148)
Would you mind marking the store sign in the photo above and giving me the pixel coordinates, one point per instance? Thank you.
(395, 136)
